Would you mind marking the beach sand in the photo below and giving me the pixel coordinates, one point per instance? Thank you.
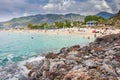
(85, 32)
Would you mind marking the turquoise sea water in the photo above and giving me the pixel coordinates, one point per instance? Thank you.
(16, 46)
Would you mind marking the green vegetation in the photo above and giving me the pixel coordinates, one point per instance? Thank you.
(100, 21)
(38, 26)
(118, 26)
(58, 24)
(77, 23)
(67, 23)
(30, 26)
(115, 20)
(95, 18)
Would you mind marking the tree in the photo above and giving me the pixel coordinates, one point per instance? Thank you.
(45, 25)
(59, 24)
(118, 26)
(99, 19)
(67, 23)
(76, 23)
(36, 26)
(30, 26)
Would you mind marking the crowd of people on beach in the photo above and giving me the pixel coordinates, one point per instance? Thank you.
(85, 32)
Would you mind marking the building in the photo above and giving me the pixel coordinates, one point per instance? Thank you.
(92, 23)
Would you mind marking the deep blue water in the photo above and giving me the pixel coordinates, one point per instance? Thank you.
(16, 46)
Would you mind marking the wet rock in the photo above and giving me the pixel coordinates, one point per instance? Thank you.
(99, 39)
(50, 56)
(32, 73)
(74, 48)
(64, 50)
(28, 65)
(46, 64)
(23, 78)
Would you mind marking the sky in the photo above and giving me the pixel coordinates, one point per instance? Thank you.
(16, 8)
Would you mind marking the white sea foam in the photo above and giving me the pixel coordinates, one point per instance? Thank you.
(22, 64)
(18, 68)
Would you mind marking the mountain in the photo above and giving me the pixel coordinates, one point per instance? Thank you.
(38, 19)
(116, 16)
(115, 20)
(105, 15)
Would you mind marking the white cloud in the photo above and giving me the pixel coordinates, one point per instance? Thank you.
(59, 5)
(114, 5)
(64, 5)
(106, 6)
(49, 6)
(98, 7)
(75, 6)
(25, 14)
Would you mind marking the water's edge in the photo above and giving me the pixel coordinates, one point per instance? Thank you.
(15, 66)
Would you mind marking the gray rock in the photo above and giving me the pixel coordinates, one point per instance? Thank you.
(108, 68)
(118, 78)
(56, 66)
(94, 54)
(68, 62)
(111, 51)
(118, 70)
(70, 57)
(46, 64)
(93, 51)
(86, 57)
(115, 63)
(90, 63)
(106, 61)
(77, 67)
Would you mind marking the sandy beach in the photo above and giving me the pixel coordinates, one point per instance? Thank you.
(85, 32)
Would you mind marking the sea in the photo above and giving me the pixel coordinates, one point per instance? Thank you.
(18, 47)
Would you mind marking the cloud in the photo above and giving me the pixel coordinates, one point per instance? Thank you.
(16, 8)
(77, 6)
(58, 5)
(49, 6)
(66, 4)
(26, 14)
(114, 5)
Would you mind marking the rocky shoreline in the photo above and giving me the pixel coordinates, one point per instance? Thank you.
(100, 60)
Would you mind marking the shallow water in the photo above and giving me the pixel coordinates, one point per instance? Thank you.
(19, 46)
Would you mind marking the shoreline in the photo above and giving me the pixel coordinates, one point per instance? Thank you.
(85, 32)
